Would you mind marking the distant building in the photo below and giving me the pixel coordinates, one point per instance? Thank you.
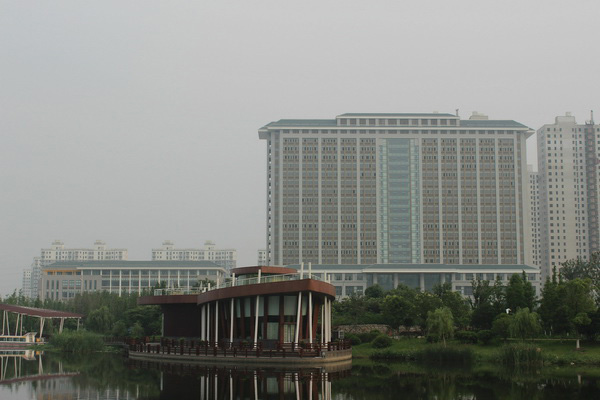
(58, 252)
(397, 189)
(262, 257)
(568, 158)
(26, 288)
(227, 258)
(64, 279)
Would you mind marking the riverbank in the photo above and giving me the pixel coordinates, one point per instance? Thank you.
(554, 352)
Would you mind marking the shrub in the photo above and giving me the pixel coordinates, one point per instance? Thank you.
(382, 341)
(485, 336)
(467, 337)
(389, 354)
(352, 338)
(77, 342)
(521, 356)
(368, 337)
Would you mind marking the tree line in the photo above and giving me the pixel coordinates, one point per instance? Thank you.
(568, 306)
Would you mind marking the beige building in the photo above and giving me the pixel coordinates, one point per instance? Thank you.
(227, 258)
(58, 252)
(397, 188)
(568, 156)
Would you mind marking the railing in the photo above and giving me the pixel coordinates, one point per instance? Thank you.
(238, 282)
(240, 349)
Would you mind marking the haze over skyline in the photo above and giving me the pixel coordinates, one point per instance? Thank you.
(134, 122)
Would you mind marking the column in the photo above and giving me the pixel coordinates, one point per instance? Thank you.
(256, 321)
(310, 316)
(208, 322)
(231, 318)
(422, 281)
(322, 323)
(298, 316)
(203, 323)
(217, 322)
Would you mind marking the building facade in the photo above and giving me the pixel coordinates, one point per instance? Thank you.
(227, 258)
(63, 280)
(58, 252)
(568, 155)
(262, 257)
(397, 189)
(534, 201)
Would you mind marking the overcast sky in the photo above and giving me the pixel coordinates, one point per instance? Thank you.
(136, 121)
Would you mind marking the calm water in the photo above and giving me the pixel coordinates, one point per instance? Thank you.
(106, 376)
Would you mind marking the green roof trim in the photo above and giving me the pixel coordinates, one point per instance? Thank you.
(490, 123)
(445, 115)
(302, 122)
(423, 267)
(133, 264)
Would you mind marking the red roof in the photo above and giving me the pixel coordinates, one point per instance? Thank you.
(39, 312)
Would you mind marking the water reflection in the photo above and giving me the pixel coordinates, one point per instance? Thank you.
(246, 382)
(29, 375)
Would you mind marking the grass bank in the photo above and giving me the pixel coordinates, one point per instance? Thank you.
(554, 352)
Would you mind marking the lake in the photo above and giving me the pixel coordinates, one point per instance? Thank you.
(112, 376)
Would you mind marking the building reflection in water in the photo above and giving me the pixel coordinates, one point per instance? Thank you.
(179, 381)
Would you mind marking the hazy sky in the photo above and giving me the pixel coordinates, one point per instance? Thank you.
(136, 121)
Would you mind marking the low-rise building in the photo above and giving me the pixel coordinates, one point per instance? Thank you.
(349, 279)
(63, 280)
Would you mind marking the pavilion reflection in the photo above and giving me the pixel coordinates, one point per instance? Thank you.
(181, 381)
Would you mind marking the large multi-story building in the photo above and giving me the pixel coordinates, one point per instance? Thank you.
(534, 199)
(397, 189)
(26, 285)
(227, 258)
(64, 279)
(58, 252)
(568, 156)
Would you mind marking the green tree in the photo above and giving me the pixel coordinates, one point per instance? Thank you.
(374, 292)
(399, 310)
(100, 320)
(580, 269)
(440, 324)
(487, 302)
(525, 324)
(137, 331)
(501, 325)
(519, 293)
(455, 302)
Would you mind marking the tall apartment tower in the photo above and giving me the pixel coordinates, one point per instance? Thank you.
(226, 258)
(568, 155)
(534, 199)
(58, 252)
(397, 188)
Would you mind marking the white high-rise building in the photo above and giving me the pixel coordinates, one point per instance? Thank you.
(27, 283)
(262, 257)
(534, 201)
(568, 157)
(226, 258)
(58, 252)
(397, 189)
